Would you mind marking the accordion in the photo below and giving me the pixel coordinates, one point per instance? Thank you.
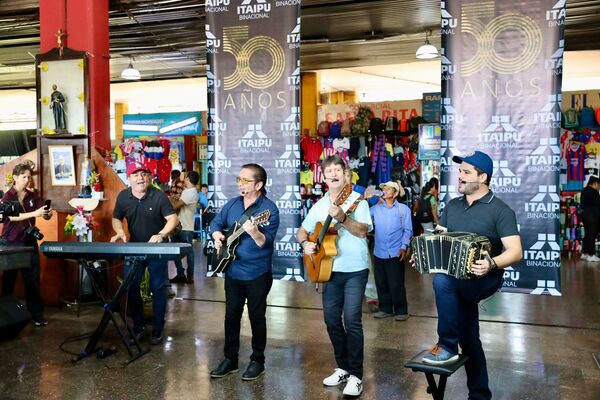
(450, 253)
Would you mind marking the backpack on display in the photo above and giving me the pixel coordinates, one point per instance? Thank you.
(346, 128)
(362, 120)
(391, 124)
(424, 210)
(586, 118)
(570, 119)
(376, 126)
(323, 128)
(335, 130)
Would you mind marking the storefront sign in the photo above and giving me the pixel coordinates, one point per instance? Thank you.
(162, 124)
(432, 107)
(430, 138)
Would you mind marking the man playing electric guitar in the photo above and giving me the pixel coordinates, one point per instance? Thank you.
(249, 275)
(343, 293)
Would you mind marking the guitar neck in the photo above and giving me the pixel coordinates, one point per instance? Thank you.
(324, 229)
(237, 232)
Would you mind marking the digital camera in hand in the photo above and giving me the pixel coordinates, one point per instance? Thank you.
(8, 209)
(35, 232)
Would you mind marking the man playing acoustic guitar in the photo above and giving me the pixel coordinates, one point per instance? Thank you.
(343, 293)
(249, 275)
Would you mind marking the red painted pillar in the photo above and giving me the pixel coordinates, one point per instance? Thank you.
(86, 26)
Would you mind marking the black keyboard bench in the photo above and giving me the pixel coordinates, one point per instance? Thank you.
(444, 371)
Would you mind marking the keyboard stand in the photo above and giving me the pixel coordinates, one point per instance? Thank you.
(112, 307)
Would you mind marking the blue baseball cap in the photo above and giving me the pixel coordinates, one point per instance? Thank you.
(477, 159)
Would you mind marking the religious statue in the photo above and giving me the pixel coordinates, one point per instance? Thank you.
(56, 104)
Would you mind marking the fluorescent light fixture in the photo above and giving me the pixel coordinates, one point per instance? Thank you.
(130, 73)
(427, 50)
(140, 128)
(178, 125)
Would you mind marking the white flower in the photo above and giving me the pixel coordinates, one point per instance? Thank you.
(80, 224)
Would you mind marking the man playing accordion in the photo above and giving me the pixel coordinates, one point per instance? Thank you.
(480, 212)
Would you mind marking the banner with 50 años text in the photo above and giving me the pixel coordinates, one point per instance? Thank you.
(253, 71)
(501, 94)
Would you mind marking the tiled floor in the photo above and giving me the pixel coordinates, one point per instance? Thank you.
(537, 348)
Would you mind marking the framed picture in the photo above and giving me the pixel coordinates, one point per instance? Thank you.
(62, 165)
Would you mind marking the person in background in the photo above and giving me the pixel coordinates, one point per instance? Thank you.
(175, 180)
(590, 214)
(17, 230)
(435, 188)
(425, 209)
(150, 218)
(393, 231)
(203, 197)
(185, 205)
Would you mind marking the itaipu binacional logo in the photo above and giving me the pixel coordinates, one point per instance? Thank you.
(236, 42)
(549, 116)
(448, 150)
(293, 38)
(500, 134)
(216, 6)
(216, 126)
(449, 23)
(511, 277)
(253, 9)
(489, 37)
(545, 157)
(290, 202)
(216, 161)
(504, 180)
(287, 246)
(216, 198)
(545, 252)
(255, 141)
(212, 83)
(291, 126)
(555, 62)
(450, 116)
(212, 42)
(545, 204)
(289, 161)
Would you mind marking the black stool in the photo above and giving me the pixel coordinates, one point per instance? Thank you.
(444, 371)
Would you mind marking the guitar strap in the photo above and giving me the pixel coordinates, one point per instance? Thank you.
(349, 211)
(247, 214)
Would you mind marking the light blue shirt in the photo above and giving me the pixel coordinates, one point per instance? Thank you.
(353, 252)
(393, 229)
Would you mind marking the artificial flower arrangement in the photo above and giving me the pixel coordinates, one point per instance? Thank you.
(80, 223)
(94, 182)
(8, 180)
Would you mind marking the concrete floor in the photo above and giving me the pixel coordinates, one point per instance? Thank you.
(538, 347)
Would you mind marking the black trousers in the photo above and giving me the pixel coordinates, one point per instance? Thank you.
(31, 278)
(236, 293)
(389, 280)
(591, 222)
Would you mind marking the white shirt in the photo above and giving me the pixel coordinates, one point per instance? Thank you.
(186, 213)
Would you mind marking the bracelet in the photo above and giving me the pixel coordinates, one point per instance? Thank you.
(302, 242)
(345, 218)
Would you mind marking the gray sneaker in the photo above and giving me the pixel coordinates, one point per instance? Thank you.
(381, 314)
(401, 317)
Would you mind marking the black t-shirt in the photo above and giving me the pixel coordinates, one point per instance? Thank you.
(489, 216)
(590, 200)
(146, 216)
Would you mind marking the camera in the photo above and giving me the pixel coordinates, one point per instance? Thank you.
(8, 209)
(35, 232)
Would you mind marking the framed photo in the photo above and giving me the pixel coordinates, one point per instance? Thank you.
(62, 165)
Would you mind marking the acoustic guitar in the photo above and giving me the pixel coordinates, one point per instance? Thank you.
(227, 254)
(320, 264)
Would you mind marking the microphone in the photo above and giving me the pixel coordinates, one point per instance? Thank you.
(461, 181)
(332, 179)
(243, 192)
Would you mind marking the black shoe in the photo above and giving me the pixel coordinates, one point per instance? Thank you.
(254, 370)
(189, 279)
(157, 337)
(225, 368)
(140, 334)
(177, 279)
(41, 321)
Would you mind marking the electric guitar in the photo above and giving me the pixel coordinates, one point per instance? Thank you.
(227, 254)
(320, 264)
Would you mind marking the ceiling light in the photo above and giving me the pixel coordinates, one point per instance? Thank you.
(427, 50)
(130, 73)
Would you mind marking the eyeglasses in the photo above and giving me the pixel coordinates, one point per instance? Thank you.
(244, 181)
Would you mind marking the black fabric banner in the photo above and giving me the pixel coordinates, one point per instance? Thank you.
(501, 94)
(253, 52)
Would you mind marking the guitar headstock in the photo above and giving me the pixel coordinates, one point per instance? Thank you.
(344, 194)
(262, 218)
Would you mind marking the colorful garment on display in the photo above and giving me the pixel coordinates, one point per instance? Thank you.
(311, 148)
(576, 156)
(306, 177)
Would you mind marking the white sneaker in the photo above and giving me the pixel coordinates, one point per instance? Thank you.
(593, 258)
(584, 257)
(354, 387)
(338, 376)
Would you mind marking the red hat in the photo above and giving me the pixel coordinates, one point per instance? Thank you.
(135, 167)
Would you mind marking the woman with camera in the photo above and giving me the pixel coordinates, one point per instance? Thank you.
(21, 230)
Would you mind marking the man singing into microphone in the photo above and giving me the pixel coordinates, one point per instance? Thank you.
(249, 277)
(343, 293)
(479, 211)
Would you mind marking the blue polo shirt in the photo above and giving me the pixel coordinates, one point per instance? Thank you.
(250, 260)
(393, 229)
(488, 216)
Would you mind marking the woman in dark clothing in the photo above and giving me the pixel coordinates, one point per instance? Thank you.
(590, 212)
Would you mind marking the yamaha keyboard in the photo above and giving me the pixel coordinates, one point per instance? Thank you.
(93, 251)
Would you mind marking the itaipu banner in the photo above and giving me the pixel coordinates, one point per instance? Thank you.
(501, 94)
(253, 71)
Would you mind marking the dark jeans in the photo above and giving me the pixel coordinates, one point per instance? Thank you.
(186, 237)
(236, 293)
(458, 322)
(591, 224)
(389, 279)
(31, 278)
(343, 294)
(158, 286)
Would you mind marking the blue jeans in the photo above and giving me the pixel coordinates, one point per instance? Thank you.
(158, 286)
(186, 237)
(343, 294)
(458, 323)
